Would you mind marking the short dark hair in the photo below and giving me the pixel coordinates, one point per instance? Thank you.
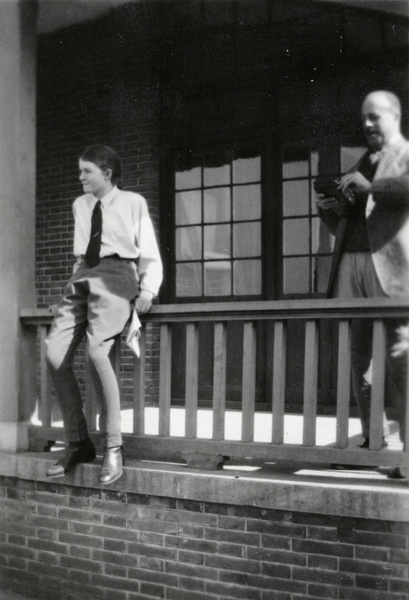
(105, 158)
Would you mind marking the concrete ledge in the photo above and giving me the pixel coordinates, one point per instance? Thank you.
(357, 495)
(13, 436)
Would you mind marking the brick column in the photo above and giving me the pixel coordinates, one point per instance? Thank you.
(17, 214)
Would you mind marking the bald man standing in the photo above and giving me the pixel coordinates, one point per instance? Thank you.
(371, 253)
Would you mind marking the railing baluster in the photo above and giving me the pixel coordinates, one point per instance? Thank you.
(310, 383)
(192, 380)
(44, 409)
(219, 380)
(343, 382)
(378, 385)
(249, 381)
(279, 377)
(165, 364)
(139, 387)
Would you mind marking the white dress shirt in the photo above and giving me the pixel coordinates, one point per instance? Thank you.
(127, 231)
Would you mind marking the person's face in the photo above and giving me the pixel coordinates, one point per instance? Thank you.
(380, 121)
(94, 180)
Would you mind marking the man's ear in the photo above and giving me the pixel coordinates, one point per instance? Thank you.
(108, 174)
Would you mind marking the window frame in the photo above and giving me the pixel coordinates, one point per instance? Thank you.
(168, 215)
(309, 215)
(270, 148)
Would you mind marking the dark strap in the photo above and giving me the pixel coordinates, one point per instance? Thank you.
(337, 254)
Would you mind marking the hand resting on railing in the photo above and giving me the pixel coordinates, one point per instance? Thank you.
(53, 308)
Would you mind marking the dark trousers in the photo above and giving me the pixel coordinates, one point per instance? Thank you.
(356, 278)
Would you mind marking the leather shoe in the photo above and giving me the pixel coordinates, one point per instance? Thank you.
(75, 453)
(395, 473)
(112, 464)
(365, 443)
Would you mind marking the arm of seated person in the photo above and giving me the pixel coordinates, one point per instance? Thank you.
(143, 303)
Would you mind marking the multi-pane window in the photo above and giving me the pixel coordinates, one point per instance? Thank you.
(218, 222)
(218, 212)
(307, 245)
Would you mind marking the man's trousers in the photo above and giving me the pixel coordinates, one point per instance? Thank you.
(357, 278)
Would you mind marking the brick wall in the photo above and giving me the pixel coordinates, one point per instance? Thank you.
(62, 542)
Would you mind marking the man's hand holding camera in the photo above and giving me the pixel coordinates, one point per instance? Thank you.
(332, 198)
(354, 182)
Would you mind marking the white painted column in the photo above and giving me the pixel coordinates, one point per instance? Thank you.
(18, 33)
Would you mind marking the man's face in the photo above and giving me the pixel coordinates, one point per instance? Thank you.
(380, 121)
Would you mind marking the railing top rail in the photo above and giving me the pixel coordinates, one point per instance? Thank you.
(258, 310)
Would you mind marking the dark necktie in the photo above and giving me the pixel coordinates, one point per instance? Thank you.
(94, 245)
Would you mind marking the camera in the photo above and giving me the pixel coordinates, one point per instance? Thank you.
(328, 187)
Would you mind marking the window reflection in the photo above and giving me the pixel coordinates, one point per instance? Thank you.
(188, 208)
(217, 241)
(314, 163)
(188, 243)
(247, 277)
(295, 198)
(296, 236)
(185, 180)
(246, 169)
(247, 202)
(217, 278)
(214, 176)
(246, 240)
(189, 279)
(314, 198)
(216, 205)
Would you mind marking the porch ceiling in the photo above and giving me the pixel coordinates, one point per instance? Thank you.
(57, 14)
(396, 7)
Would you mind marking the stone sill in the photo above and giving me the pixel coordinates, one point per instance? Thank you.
(297, 488)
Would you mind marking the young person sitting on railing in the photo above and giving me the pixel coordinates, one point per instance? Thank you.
(371, 254)
(118, 264)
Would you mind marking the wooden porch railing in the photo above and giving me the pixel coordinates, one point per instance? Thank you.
(168, 447)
